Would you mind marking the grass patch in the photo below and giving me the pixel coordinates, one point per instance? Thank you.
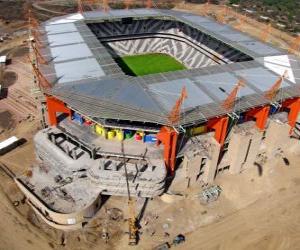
(140, 65)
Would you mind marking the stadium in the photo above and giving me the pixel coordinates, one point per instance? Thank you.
(151, 92)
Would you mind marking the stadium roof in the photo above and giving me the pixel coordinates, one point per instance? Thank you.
(88, 79)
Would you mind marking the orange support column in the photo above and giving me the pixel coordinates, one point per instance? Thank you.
(294, 109)
(261, 115)
(54, 106)
(220, 126)
(168, 137)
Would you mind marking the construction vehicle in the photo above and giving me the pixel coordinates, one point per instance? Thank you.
(210, 194)
(164, 246)
(132, 221)
(179, 239)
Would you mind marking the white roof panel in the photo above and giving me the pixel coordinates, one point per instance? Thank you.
(60, 28)
(167, 93)
(78, 70)
(261, 78)
(222, 84)
(65, 38)
(69, 52)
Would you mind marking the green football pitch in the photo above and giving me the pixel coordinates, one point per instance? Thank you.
(140, 65)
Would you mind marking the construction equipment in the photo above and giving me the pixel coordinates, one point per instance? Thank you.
(132, 222)
(271, 93)
(179, 239)
(174, 115)
(210, 194)
(229, 102)
(38, 55)
(42, 81)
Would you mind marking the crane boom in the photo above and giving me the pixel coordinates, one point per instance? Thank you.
(133, 230)
(43, 82)
(271, 93)
(230, 100)
(174, 115)
(38, 55)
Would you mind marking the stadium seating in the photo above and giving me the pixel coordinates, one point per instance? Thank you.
(191, 47)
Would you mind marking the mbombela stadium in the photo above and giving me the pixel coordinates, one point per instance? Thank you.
(207, 118)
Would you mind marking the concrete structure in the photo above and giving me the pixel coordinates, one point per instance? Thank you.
(201, 155)
(277, 137)
(243, 147)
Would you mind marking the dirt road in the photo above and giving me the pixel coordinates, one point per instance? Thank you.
(16, 232)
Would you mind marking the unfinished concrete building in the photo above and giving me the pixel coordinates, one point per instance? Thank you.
(101, 121)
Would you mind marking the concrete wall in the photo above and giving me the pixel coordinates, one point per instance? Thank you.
(62, 221)
(244, 144)
(277, 136)
(201, 159)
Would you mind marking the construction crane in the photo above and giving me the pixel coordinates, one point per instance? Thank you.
(43, 82)
(229, 102)
(39, 56)
(132, 221)
(174, 115)
(271, 93)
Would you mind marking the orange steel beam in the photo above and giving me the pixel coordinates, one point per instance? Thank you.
(174, 115)
(261, 115)
(219, 125)
(294, 109)
(271, 93)
(54, 106)
(230, 100)
(168, 137)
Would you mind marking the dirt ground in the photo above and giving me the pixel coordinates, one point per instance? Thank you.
(253, 211)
